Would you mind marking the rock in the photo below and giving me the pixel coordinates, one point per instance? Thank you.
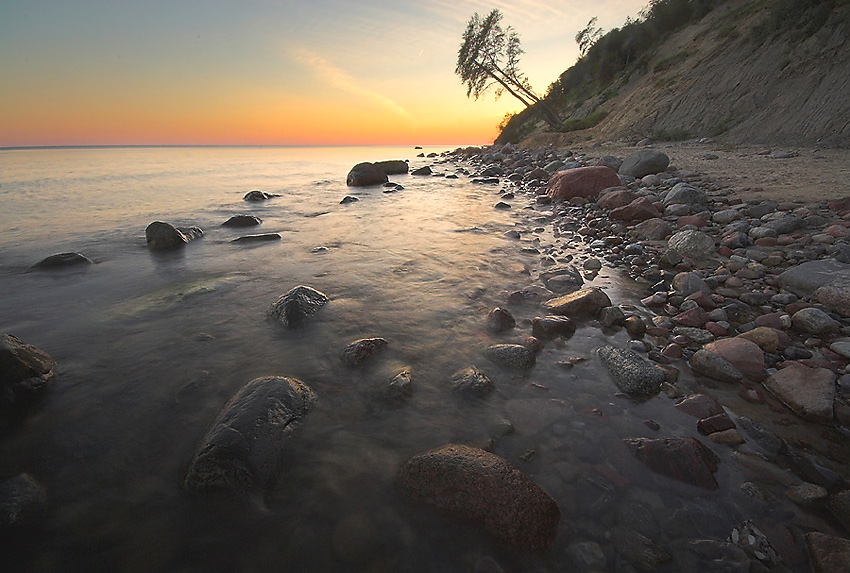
(744, 355)
(616, 198)
(243, 451)
(699, 406)
(581, 182)
(586, 556)
(685, 194)
(814, 321)
(256, 195)
(829, 554)
(688, 283)
(401, 386)
(562, 278)
(365, 174)
(392, 167)
(713, 424)
(355, 353)
(695, 317)
(611, 316)
(422, 171)
(768, 339)
(839, 506)
(260, 238)
(640, 209)
(680, 457)
(22, 502)
(295, 306)
(474, 485)
(472, 382)
(584, 302)
(500, 320)
(531, 293)
(644, 162)
(638, 549)
(62, 260)
(162, 236)
(835, 296)
(551, 326)
(654, 229)
(807, 495)
(804, 279)
(809, 392)
(713, 366)
(25, 372)
(513, 356)
(694, 244)
(749, 538)
(632, 374)
(242, 221)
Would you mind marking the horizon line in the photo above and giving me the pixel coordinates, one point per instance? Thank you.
(221, 145)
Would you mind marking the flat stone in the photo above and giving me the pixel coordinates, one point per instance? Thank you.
(632, 374)
(584, 302)
(804, 279)
(699, 406)
(551, 326)
(62, 260)
(809, 392)
(743, 354)
(715, 423)
(713, 366)
(680, 457)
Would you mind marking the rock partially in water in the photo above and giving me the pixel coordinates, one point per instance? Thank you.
(472, 382)
(25, 372)
(828, 553)
(500, 320)
(552, 326)
(632, 374)
(638, 549)
(473, 485)
(743, 354)
(256, 196)
(401, 386)
(422, 171)
(680, 457)
(393, 166)
(359, 350)
(295, 306)
(584, 302)
(562, 278)
(365, 174)
(163, 236)
(63, 260)
(22, 502)
(809, 392)
(713, 366)
(238, 221)
(243, 451)
(260, 238)
(513, 356)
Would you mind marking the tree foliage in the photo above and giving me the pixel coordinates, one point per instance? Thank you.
(588, 36)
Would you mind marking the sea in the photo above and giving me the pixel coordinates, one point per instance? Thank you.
(151, 345)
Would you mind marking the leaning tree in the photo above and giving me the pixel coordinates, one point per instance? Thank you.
(489, 57)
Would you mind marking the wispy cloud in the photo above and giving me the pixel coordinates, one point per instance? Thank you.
(341, 80)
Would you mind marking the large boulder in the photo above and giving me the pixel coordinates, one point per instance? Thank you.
(25, 372)
(809, 392)
(632, 374)
(585, 302)
(243, 451)
(644, 162)
(694, 244)
(164, 236)
(292, 308)
(581, 182)
(473, 485)
(680, 457)
(743, 354)
(804, 279)
(364, 174)
(392, 167)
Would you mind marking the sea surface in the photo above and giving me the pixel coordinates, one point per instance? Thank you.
(151, 345)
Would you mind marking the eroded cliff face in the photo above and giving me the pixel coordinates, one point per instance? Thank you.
(712, 80)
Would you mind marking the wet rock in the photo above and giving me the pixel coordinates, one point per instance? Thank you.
(809, 392)
(814, 321)
(256, 196)
(581, 182)
(392, 167)
(611, 316)
(355, 353)
(743, 354)
(584, 302)
(680, 457)
(709, 555)
(531, 293)
(259, 238)
(713, 424)
(513, 356)
(292, 308)
(423, 171)
(807, 495)
(62, 260)
(644, 162)
(632, 374)
(474, 485)
(22, 502)
(699, 406)
(365, 174)
(638, 549)
(828, 554)
(500, 320)
(562, 278)
(839, 506)
(688, 283)
(25, 373)
(713, 366)
(551, 326)
(242, 221)
(472, 382)
(769, 442)
(694, 244)
(243, 451)
(163, 236)
(348, 199)
(401, 386)
(755, 543)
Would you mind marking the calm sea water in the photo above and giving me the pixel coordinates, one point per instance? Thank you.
(150, 346)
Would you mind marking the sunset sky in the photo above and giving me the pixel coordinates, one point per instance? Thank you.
(91, 72)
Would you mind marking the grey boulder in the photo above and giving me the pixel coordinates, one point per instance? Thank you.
(632, 374)
(294, 307)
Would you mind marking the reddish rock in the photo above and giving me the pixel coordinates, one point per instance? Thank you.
(829, 554)
(809, 392)
(581, 182)
(615, 199)
(672, 351)
(584, 302)
(699, 406)
(837, 231)
(840, 205)
(681, 457)
(703, 299)
(640, 209)
(724, 251)
(716, 423)
(768, 339)
(695, 317)
(772, 320)
(729, 437)
(695, 220)
(743, 354)
(767, 242)
(716, 329)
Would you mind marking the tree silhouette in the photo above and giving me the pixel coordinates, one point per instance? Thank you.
(489, 57)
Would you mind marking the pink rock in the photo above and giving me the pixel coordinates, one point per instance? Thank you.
(734, 282)
(638, 210)
(699, 406)
(743, 354)
(695, 317)
(673, 351)
(615, 199)
(694, 220)
(716, 329)
(771, 320)
(680, 457)
(724, 251)
(703, 299)
(581, 182)
(767, 242)
(809, 392)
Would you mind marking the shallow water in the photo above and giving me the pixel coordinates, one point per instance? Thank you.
(150, 346)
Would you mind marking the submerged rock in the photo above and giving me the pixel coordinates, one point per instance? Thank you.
(472, 382)
(552, 326)
(62, 260)
(680, 457)
(162, 236)
(242, 221)
(401, 386)
(261, 238)
(393, 166)
(632, 374)
(22, 502)
(713, 366)
(513, 356)
(256, 195)
(25, 372)
(295, 306)
(359, 350)
(473, 485)
(500, 320)
(243, 451)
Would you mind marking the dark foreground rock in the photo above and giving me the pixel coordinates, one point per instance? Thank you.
(295, 306)
(257, 196)
(63, 260)
(681, 457)
(474, 485)
(472, 382)
(243, 451)
(22, 502)
(25, 372)
(365, 174)
(828, 554)
(163, 236)
(514, 356)
(242, 221)
(632, 374)
(359, 350)
(393, 166)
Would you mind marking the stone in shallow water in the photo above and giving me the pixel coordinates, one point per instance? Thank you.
(713, 366)
(472, 382)
(680, 457)
(513, 356)
(359, 350)
(632, 374)
(62, 260)
(259, 238)
(242, 221)
(22, 502)
(292, 308)
(809, 392)
(828, 553)
(25, 372)
(162, 236)
(584, 302)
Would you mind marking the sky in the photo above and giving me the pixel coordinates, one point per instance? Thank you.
(265, 72)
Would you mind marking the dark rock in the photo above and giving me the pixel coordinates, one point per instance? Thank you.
(644, 162)
(401, 386)
(632, 374)
(612, 316)
(295, 306)
(713, 366)
(62, 260)
(584, 302)
(422, 171)
(392, 167)
(638, 549)
(22, 502)
(257, 195)
(162, 236)
(359, 350)
(260, 238)
(687, 194)
(699, 406)
(653, 230)
(365, 174)
(829, 554)
(243, 451)
(242, 221)
(715, 423)
(500, 320)
(474, 485)
(770, 443)
(551, 326)
(814, 321)
(472, 382)
(513, 356)
(562, 278)
(348, 199)
(25, 372)
(680, 457)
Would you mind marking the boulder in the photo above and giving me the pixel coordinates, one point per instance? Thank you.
(581, 182)
(685, 194)
(392, 167)
(654, 229)
(256, 196)
(551, 326)
(292, 308)
(500, 320)
(25, 372)
(562, 278)
(472, 382)
(616, 198)
(814, 321)
(688, 283)
(514, 356)
(640, 209)
(743, 354)
(699, 406)
(584, 302)
(242, 221)
(644, 162)
(835, 296)
(632, 374)
(163, 236)
(22, 502)
(809, 392)
(355, 353)
(243, 450)
(694, 244)
(62, 260)
(365, 174)
(473, 485)
(680, 457)
(804, 279)
(829, 554)
(423, 171)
